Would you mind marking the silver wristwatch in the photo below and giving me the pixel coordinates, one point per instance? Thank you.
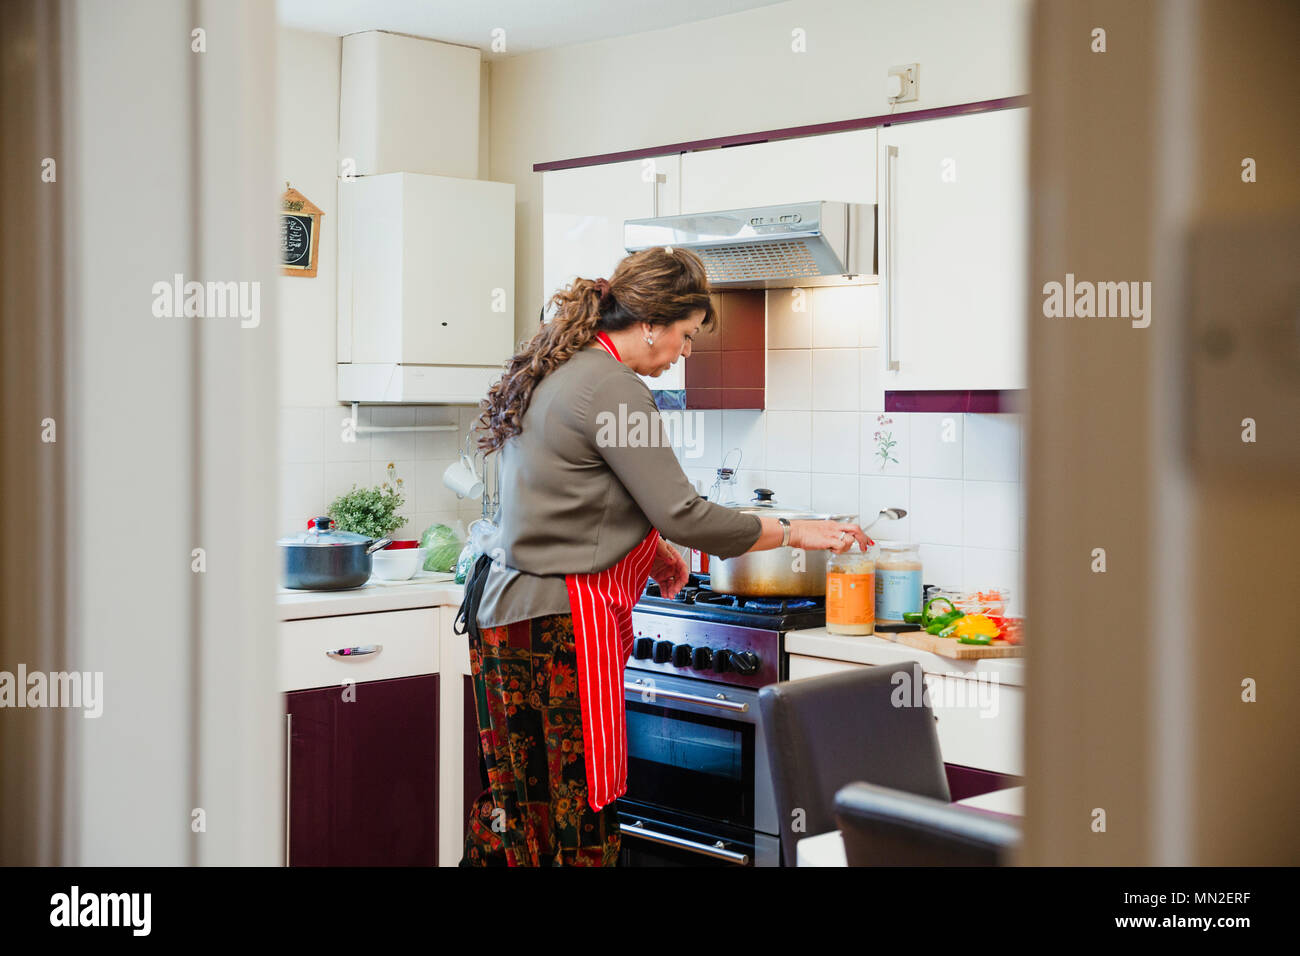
(785, 532)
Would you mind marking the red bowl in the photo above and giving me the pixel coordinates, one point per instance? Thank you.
(404, 543)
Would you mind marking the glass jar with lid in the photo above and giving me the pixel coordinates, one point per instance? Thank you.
(898, 580)
(851, 592)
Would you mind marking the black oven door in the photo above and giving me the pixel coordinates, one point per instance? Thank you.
(691, 747)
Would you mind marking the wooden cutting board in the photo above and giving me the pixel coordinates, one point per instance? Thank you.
(951, 647)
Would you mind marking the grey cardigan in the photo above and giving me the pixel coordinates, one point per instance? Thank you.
(583, 482)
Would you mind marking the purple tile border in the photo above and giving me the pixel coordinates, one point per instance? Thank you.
(788, 132)
(961, 400)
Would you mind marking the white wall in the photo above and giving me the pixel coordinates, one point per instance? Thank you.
(307, 135)
(736, 74)
(315, 464)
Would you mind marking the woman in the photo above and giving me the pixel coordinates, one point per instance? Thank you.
(590, 489)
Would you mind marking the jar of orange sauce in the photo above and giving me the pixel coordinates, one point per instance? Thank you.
(851, 592)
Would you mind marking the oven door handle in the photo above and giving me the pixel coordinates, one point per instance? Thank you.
(703, 849)
(737, 706)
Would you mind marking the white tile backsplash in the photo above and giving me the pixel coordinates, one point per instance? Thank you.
(872, 380)
(881, 492)
(333, 432)
(327, 466)
(991, 448)
(941, 565)
(789, 441)
(835, 494)
(987, 568)
(786, 327)
(877, 455)
(791, 489)
(835, 437)
(789, 379)
(340, 476)
(814, 446)
(835, 384)
(837, 318)
(936, 510)
(935, 444)
(989, 514)
(708, 433)
(743, 428)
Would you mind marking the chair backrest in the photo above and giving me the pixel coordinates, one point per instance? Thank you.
(885, 827)
(874, 724)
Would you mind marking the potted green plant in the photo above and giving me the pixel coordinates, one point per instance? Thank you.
(371, 511)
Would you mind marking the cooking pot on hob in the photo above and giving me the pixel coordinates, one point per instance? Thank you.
(779, 572)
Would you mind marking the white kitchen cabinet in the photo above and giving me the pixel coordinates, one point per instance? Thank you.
(836, 167)
(426, 287)
(953, 269)
(583, 211)
(381, 647)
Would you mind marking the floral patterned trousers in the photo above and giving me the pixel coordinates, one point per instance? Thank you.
(535, 810)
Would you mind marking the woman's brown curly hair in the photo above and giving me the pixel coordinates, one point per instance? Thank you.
(659, 286)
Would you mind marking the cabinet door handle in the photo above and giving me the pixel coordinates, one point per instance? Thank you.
(891, 240)
(654, 187)
(288, 780)
(348, 653)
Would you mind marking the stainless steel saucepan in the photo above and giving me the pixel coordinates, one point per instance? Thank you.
(779, 572)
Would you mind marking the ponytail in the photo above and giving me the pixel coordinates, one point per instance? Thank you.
(659, 286)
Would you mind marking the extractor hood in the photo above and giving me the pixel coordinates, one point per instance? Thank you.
(771, 247)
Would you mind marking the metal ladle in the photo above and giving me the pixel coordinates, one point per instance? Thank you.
(893, 514)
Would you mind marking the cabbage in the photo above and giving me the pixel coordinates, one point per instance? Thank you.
(444, 547)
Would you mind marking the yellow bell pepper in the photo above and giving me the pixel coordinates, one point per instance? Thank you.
(975, 625)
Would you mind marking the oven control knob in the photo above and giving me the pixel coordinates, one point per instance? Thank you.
(721, 659)
(682, 655)
(644, 647)
(744, 662)
(702, 659)
(663, 651)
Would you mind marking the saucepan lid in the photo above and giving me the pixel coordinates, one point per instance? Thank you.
(323, 536)
(764, 503)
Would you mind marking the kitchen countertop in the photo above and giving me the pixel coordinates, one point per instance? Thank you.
(876, 649)
(426, 589)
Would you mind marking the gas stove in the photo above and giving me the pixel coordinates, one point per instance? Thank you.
(696, 600)
(699, 786)
(717, 637)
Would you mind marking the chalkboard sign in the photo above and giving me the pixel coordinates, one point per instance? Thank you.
(299, 234)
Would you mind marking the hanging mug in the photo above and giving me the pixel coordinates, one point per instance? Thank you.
(461, 478)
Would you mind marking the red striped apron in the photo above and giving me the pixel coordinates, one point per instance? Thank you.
(602, 630)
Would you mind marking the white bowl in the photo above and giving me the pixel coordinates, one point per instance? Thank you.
(399, 565)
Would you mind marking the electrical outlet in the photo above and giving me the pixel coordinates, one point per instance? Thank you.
(902, 83)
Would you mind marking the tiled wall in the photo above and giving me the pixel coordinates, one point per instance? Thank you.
(958, 476)
(317, 465)
(816, 445)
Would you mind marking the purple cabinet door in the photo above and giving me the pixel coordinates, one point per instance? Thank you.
(363, 774)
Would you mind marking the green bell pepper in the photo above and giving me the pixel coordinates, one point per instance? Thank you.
(945, 625)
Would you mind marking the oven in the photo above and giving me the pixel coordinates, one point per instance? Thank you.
(699, 788)
(700, 791)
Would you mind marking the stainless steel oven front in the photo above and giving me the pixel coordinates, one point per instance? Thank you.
(699, 788)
